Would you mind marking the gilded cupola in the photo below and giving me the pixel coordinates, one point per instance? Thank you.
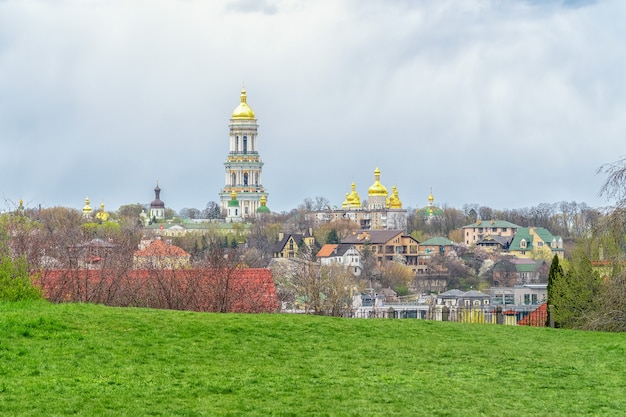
(243, 111)
(353, 200)
(87, 210)
(394, 200)
(102, 215)
(377, 189)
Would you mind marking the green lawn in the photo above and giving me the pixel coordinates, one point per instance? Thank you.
(76, 359)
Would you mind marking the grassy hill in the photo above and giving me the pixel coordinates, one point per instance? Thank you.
(75, 359)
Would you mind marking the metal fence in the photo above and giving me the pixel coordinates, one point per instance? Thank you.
(535, 316)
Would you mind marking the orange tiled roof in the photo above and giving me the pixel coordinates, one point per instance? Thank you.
(160, 248)
(326, 250)
(536, 317)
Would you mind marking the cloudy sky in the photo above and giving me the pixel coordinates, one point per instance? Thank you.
(507, 104)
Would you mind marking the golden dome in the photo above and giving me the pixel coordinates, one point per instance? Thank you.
(102, 215)
(346, 203)
(394, 200)
(353, 200)
(243, 111)
(87, 209)
(377, 189)
(354, 197)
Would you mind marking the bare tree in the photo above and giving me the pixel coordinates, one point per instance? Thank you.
(317, 289)
(614, 187)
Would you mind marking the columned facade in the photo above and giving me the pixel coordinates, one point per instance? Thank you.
(243, 165)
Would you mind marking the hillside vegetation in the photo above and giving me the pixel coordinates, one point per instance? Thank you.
(78, 359)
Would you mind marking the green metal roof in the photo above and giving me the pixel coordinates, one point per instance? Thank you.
(491, 223)
(524, 233)
(437, 241)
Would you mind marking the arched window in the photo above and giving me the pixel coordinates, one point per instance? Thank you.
(245, 144)
(236, 144)
(522, 243)
(233, 179)
(245, 179)
(256, 178)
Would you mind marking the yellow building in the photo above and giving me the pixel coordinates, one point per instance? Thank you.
(289, 244)
(532, 239)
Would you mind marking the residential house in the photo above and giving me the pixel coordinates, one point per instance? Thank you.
(91, 254)
(475, 232)
(386, 245)
(510, 271)
(289, 244)
(529, 239)
(343, 254)
(389, 295)
(436, 246)
(458, 298)
(160, 255)
(433, 247)
(520, 295)
(495, 243)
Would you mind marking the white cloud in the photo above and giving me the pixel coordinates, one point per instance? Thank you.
(104, 98)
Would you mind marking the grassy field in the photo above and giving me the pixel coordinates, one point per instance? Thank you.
(90, 360)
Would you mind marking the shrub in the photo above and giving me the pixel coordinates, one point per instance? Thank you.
(15, 283)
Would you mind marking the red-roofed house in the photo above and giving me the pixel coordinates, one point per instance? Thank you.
(342, 254)
(161, 255)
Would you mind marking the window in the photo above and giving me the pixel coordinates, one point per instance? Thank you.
(522, 243)
(533, 298)
(539, 244)
(245, 179)
(245, 144)
(504, 229)
(526, 298)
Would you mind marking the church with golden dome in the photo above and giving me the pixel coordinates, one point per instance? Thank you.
(243, 164)
(380, 211)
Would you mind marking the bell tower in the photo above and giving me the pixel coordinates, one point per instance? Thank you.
(243, 163)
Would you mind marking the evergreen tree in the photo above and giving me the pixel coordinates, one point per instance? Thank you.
(332, 236)
(556, 273)
(574, 293)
